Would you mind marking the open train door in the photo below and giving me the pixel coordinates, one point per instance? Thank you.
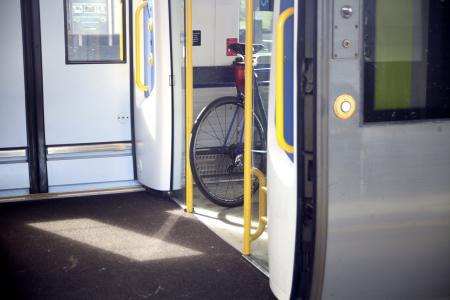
(282, 160)
(157, 135)
(371, 164)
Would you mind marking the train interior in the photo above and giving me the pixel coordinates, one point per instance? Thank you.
(214, 78)
(143, 154)
(96, 112)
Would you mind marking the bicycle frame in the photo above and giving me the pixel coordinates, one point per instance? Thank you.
(258, 108)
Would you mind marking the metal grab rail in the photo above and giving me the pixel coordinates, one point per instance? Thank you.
(248, 126)
(279, 81)
(189, 107)
(137, 45)
(262, 198)
(262, 221)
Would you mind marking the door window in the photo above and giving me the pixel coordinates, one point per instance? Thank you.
(94, 31)
(406, 60)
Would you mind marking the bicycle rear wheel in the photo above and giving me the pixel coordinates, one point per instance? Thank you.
(217, 148)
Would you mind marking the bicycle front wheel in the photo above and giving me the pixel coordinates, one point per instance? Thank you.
(217, 151)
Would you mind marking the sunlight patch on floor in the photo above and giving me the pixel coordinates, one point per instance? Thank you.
(116, 240)
(227, 223)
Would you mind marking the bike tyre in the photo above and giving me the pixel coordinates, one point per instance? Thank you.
(206, 111)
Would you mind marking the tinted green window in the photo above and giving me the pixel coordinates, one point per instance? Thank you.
(406, 59)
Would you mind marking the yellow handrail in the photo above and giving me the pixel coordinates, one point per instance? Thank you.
(137, 37)
(248, 126)
(262, 198)
(279, 97)
(189, 106)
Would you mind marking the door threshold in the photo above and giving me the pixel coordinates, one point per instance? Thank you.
(259, 265)
(93, 192)
(256, 262)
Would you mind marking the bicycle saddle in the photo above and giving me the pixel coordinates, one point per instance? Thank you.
(240, 48)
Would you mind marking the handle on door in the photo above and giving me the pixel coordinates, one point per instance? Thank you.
(137, 45)
(279, 81)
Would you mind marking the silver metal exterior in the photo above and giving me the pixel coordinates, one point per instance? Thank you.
(383, 194)
(320, 246)
(345, 28)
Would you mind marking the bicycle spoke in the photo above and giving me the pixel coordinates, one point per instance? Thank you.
(226, 125)
(230, 128)
(209, 123)
(228, 186)
(236, 128)
(218, 120)
(203, 130)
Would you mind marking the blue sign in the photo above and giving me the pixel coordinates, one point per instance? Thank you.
(265, 5)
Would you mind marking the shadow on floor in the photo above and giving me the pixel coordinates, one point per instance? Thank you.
(124, 246)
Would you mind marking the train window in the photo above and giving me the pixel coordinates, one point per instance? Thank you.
(94, 31)
(406, 60)
(262, 26)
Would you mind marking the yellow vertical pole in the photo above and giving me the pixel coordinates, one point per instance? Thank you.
(189, 108)
(248, 127)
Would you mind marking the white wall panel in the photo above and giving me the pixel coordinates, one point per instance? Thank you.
(89, 170)
(204, 96)
(204, 19)
(217, 20)
(227, 26)
(12, 92)
(82, 102)
(14, 176)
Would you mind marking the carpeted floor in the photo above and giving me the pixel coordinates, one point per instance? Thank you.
(125, 246)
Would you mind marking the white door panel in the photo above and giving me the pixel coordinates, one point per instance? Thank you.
(153, 112)
(281, 182)
(13, 125)
(178, 60)
(12, 91)
(84, 103)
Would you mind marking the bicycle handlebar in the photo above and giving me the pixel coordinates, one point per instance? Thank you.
(240, 48)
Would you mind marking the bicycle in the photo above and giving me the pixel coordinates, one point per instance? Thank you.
(216, 143)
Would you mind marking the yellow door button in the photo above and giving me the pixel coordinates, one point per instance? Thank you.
(150, 25)
(344, 106)
(150, 59)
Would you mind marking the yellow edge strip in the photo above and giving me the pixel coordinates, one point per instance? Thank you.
(248, 127)
(279, 83)
(137, 37)
(189, 106)
(262, 204)
(121, 32)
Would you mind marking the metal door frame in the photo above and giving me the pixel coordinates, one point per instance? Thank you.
(34, 96)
